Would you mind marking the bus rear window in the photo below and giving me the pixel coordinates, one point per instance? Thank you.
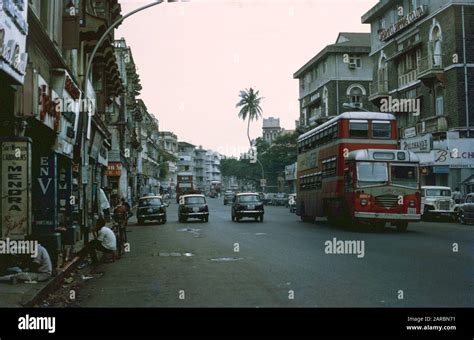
(359, 129)
(381, 130)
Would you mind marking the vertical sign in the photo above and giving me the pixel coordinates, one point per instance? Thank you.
(64, 188)
(15, 189)
(46, 194)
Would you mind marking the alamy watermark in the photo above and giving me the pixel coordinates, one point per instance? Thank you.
(19, 247)
(347, 247)
(395, 105)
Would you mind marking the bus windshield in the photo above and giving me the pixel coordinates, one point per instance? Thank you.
(371, 173)
(404, 175)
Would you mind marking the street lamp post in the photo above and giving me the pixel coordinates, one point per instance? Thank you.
(84, 116)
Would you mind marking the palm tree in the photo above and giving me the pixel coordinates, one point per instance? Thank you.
(250, 109)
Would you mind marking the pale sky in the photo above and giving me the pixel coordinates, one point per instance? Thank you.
(193, 59)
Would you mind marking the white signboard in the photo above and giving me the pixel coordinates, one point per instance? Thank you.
(13, 31)
(15, 191)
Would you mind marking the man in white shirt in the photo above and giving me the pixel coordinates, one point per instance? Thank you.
(40, 269)
(105, 240)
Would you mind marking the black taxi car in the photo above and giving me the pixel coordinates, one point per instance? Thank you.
(193, 206)
(151, 208)
(247, 205)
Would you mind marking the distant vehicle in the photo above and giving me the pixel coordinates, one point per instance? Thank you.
(280, 199)
(436, 201)
(151, 208)
(247, 205)
(465, 213)
(292, 203)
(228, 197)
(269, 198)
(193, 206)
(184, 184)
(212, 194)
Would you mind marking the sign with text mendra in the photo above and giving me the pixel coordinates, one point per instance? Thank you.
(15, 179)
(403, 22)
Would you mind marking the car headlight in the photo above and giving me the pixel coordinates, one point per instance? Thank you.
(364, 202)
(412, 203)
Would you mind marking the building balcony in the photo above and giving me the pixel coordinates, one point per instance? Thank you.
(431, 67)
(432, 125)
(408, 78)
(378, 89)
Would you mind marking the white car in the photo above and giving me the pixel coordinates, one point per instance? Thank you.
(436, 201)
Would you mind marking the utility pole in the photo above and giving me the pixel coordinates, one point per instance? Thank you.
(85, 116)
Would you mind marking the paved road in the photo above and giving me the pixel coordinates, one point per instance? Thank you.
(282, 262)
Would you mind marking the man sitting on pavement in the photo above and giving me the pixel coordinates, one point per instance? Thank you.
(105, 240)
(40, 269)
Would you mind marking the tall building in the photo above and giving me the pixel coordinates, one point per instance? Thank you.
(422, 55)
(271, 129)
(169, 144)
(338, 74)
(213, 172)
(200, 168)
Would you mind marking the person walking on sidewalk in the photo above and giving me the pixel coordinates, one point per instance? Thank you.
(104, 242)
(40, 269)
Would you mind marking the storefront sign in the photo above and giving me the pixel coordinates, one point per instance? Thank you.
(418, 144)
(13, 31)
(15, 181)
(45, 193)
(114, 169)
(47, 98)
(441, 169)
(404, 22)
(410, 132)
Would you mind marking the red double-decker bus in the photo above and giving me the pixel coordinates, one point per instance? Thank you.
(350, 170)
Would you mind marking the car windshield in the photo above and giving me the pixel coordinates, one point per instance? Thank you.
(195, 200)
(404, 175)
(438, 192)
(249, 199)
(146, 202)
(371, 173)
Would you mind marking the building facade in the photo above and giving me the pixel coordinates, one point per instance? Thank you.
(423, 57)
(169, 147)
(339, 74)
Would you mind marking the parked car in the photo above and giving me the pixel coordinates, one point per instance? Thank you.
(247, 205)
(269, 198)
(465, 212)
(280, 199)
(151, 208)
(228, 197)
(436, 201)
(292, 203)
(193, 206)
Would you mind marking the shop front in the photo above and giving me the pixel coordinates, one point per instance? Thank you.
(448, 162)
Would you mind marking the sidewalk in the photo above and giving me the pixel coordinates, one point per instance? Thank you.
(29, 294)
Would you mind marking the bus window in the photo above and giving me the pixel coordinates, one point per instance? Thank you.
(348, 180)
(404, 175)
(359, 129)
(371, 173)
(381, 129)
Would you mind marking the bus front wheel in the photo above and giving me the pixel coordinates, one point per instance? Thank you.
(402, 226)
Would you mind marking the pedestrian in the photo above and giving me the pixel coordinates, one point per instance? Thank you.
(457, 196)
(105, 240)
(40, 269)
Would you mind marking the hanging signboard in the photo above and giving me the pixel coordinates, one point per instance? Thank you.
(15, 179)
